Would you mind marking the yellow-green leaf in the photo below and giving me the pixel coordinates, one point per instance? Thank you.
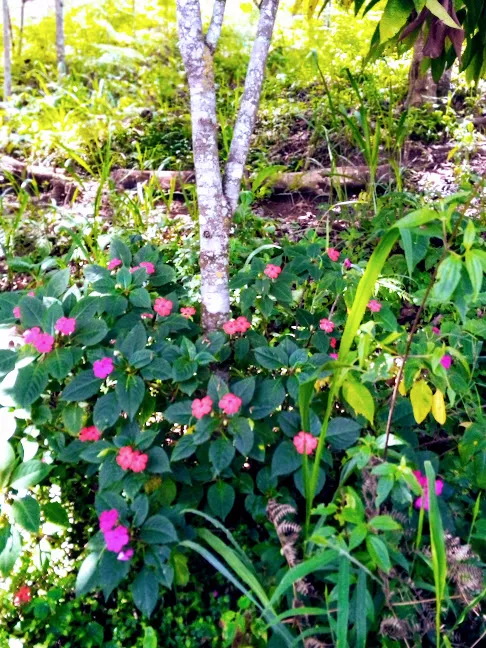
(421, 397)
(360, 399)
(475, 272)
(438, 407)
(394, 17)
(438, 10)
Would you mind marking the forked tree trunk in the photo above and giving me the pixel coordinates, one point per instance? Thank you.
(421, 86)
(7, 60)
(60, 47)
(217, 201)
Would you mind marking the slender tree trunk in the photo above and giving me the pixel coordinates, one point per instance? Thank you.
(22, 20)
(60, 48)
(7, 61)
(217, 201)
(421, 87)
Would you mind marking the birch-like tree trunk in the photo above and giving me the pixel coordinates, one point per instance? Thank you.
(7, 60)
(217, 201)
(60, 46)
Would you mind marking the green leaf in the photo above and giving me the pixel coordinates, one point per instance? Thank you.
(119, 250)
(360, 610)
(421, 399)
(7, 361)
(158, 529)
(438, 10)
(140, 508)
(150, 638)
(285, 459)
(158, 461)
(469, 235)
(185, 447)
(342, 433)
(448, 276)
(130, 391)
(179, 412)
(221, 454)
(59, 363)
(86, 578)
(269, 395)
(378, 552)
(72, 417)
(384, 523)
(7, 461)
(244, 437)
(474, 268)
(136, 340)
(111, 572)
(31, 382)
(394, 17)
(343, 602)
(221, 497)
(360, 399)
(271, 357)
(82, 386)
(244, 389)
(106, 411)
(90, 332)
(58, 283)
(55, 513)
(29, 474)
(140, 298)
(26, 512)
(32, 312)
(10, 553)
(183, 369)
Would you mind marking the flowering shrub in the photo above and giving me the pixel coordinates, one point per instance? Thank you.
(113, 377)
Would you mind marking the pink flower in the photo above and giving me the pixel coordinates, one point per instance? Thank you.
(333, 343)
(134, 269)
(22, 595)
(163, 307)
(116, 538)
(326, 325)
(446, 362)
(333, 254)
(188, 311)
(114, 263)
(103, 368)
(125, 555)
(231, 327)
(436, 330)
(89, 434)
(374, 306)
(108, 519)
(147, 316)
(139, 461)
(31, 335)
(305, 443)
(31, 293)
(201, 406)
(44, 343)
(347, 264)
(424, 501)
(16, 312)
(334, 356)
(243, 324)
(149, 267)
(230, 404)
(124, 457)
(65, 325)
(272, 271)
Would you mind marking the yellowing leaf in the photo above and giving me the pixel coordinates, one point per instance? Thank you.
(421, 397)
(360, 399)
(401, 388)
(438, 407)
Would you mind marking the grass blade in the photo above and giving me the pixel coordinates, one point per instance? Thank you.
(343, 603)
(360, 614)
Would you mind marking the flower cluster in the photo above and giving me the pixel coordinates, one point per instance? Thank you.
(374, 306)
(103, 368)
(130, 459)
(201, 406)
(446, 362)
(305, 443)
(326, 325)
(90, 434)
(65, 325)
(188, 311)
(163, 307)
(424, 501)
(272, 271)
(114, 263)
(116, 535)
(230, 404)
(22, 595)
(238, 325)
(43, 342)
(333, 254)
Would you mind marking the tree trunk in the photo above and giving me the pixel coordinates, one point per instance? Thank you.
(7, 61)
(421, 87)
(60, 48)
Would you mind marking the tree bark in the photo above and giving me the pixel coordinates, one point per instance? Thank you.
(216, 24)
(421, 87)
(7, 60)
(60, 47)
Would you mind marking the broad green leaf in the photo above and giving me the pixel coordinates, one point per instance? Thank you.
(384, 523)
(394, 17)
(7, 461)
(119, 250)
(269, 395)
(421, 399)
(285, 459)
(342, 432)
(106, 411)
(474, 268)
(360, 399)
(145, 591)
(158, 461)
(469, 235)
(438, 10)
(82, 386)
(158, 529)
(111, 572)
(26, 512)
(243, 433)
(86, 578)
(221, 497)
(31, 382)
(150, 638)
(221, 454)
(29, 473)
(10, 552)
(58, 283)
(130, 390)
(378, 552)
(90, 332)
(271, 357)
(72, 417)
(59, 363)
(56, 513)
(448, 276)
(32, 312)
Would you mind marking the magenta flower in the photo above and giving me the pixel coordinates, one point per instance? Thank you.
(147, 316)
(125, 555)
(188, 311)
(114, 263)
(436, 330)
(333, 254)
(31, 335)
(108, 519)
(124, 457)
(272, 271)
(230, 404)
(446, 362)
(334, 356)
(134, 269)
(326, 325)
(139, 461)
(333, 343)
(116, 538)
(347, 264)
(16, 312)
(424, 501)
(149, 267)
(201, 406)
(305, 443)
(374, 306)
(31, 293)
(163, 307)
(103, 368)
(89, 434)
(44, 343)
(65, 325)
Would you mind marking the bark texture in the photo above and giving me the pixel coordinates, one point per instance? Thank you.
(216, 24)
(421, 87)
(245, 122)
(7, 60)
(60, 47)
